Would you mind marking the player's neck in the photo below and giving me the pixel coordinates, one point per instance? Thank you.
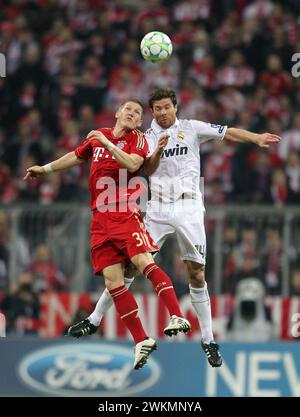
(119, 131)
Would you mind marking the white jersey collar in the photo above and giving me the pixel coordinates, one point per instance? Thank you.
(158, 129)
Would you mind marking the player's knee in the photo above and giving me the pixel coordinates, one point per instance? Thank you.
(112, 281)
(113, 276)
(112, 284)
(197, 280)
(142, 260)
(196, 275)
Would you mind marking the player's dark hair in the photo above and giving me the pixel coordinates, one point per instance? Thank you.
(161, 93)
(133, 100)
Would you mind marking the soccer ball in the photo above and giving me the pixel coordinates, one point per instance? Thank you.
(156, 47)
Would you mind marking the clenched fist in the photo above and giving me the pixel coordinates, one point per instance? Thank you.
(96, 134)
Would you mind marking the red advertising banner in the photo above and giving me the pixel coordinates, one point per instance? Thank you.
(59, 310)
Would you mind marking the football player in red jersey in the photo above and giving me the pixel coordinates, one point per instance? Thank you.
(118, 234)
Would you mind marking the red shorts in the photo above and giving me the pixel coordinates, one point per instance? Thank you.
(117, 237)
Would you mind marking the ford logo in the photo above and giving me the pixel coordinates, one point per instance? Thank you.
(86, 369)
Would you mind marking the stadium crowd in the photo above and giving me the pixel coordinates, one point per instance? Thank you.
(69, 63)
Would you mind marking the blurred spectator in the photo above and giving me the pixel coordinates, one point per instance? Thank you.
(166, 74)
(260, 178)
(281, 45)
(22, 146)
(45, 273)
(8, 188)
(21, 307)
(247, 266)
(29, 191)
(49, 189)
(88, 91)
(152, 11)
(230, 241)
(235, 72)
(295, 282)
(86, 120)
(107, 115)
(128, 61)
(9, 241)
(259, 9)
(279, 188)
(201, 43)
(192, 100)
(30, 69)
(192, 10)
(292, 171)
(290, 138)
(231, 102)
(247, 246)
(204, 72)
(251, 320)
(277, 81)
(272, 260)
(218, 165)
(71, 138)
(294, 246)
(214, 193)
(244, 260)
(62, 45)
(225, 34)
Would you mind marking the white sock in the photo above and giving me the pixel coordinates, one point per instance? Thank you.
(201, 303)
(104, 303)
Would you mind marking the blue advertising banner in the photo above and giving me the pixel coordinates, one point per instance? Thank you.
(63, 367)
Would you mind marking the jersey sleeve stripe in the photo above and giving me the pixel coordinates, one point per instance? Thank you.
(138, 140)
(141, 140)
(139, 143)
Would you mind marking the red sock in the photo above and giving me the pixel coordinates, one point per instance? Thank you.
(128, 310)
(163, 287)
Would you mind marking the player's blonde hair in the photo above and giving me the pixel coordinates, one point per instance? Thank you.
(133, 100)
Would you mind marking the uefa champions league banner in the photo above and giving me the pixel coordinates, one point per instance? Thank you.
(64, 368)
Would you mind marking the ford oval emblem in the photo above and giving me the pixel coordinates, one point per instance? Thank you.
(86, 369)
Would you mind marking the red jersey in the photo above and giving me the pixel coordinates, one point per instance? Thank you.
(109, 182)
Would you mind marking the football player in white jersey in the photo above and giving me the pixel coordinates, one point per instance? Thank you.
(176, 204)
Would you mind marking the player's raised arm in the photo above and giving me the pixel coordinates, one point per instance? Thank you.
(67, 161)
(152, 163)
(263, 140)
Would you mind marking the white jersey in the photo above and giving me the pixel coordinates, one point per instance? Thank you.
(179, 170)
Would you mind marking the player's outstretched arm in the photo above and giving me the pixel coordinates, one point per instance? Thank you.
(152, 163)
(264, 140)
(67, 161)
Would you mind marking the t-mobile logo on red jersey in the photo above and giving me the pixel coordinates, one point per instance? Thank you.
(99, 153)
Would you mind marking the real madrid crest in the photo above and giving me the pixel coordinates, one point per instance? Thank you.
(180, 135)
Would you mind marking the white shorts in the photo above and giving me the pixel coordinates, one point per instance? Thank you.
(186, 222)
